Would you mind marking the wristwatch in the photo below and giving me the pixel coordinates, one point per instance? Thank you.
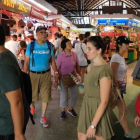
(56, 72)
(93, 126)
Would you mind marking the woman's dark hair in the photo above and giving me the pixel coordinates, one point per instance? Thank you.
(63, 43)
(98, 43)
(117, 47)
(87, 34)
(23, 44)
(64, 37)
(107, 41)
(81, 37)
(2, 35)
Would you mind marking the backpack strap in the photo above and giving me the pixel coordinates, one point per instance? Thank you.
(31, 52)
(49, 45)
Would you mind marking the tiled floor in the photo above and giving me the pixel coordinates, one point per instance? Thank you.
(66, 130)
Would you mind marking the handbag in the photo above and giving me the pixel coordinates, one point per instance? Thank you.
(88, 61)
(67, 80)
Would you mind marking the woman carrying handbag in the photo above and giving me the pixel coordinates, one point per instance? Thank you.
(119, 69)
(67, 62)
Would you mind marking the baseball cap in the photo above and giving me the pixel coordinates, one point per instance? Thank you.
(40, 28)
(123, 39)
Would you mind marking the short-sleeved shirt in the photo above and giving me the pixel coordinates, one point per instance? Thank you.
(41, 54)
(122, 69)
(10, 80)
(58, 45)
(81, 57)
(13, 46)
(67, 63)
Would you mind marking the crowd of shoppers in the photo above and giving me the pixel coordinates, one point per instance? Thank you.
(95, 118)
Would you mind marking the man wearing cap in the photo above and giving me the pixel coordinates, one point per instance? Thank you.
(58, 44)
(37, 61)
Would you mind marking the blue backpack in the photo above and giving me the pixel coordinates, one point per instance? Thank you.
(32, 49)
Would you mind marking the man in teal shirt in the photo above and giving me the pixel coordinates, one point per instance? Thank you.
(39, 56)
(14, 108)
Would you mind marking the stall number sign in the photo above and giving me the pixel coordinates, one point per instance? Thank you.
(16, 6)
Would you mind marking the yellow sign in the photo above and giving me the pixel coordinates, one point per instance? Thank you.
(9, 3)
(17, 6)
(22, 7)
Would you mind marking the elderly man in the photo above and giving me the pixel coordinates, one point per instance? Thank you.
(39, 55)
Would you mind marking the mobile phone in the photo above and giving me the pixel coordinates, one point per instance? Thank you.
(74, 77)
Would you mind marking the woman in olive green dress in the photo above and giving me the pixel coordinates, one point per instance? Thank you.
(95, 119)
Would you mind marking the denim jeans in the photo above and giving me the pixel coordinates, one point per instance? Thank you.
(122, 88)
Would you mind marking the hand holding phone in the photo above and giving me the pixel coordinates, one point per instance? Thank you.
(77, 80)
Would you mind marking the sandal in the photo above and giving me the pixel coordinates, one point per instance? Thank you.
(130, 136)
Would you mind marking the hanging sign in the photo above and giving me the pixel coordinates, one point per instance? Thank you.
(134, 24)
(112, 22)
(16, 6)
(37, 15)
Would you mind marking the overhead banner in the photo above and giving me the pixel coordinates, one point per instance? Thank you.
(134, 24)
(112, 22)
(16, 6)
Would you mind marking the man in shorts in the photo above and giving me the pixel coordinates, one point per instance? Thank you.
(37, 61)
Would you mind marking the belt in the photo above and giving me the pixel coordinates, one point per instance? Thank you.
(40, 72)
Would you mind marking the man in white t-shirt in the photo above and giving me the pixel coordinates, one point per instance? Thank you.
(58, 44)
(13, 46)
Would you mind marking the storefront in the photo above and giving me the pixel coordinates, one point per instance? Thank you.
(119, 25)
(26, 15)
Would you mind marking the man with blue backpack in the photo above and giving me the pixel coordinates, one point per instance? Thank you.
(39, 56)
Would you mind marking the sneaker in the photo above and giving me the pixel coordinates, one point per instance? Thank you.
(72, 113)
(32, 110)
(43, 120)
(63, 115)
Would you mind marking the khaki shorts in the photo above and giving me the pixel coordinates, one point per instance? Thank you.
(41, 84)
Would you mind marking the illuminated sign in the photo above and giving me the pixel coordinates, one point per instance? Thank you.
(134, 24)
(112, 22)
(16, 6)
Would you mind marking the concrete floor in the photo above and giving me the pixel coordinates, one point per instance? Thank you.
(66, 130)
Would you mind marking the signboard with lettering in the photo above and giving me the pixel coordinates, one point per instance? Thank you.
(134, 24)
(16, 6)
(112, 22)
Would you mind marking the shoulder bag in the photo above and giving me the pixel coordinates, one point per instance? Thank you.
(88, 61)
(67, 80)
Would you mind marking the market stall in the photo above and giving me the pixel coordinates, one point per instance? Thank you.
(119, 25)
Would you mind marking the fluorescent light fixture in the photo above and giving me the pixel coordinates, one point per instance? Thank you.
(65, 21)
(39, 5)
(102, 18)
(136, 20)
(111, 18)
